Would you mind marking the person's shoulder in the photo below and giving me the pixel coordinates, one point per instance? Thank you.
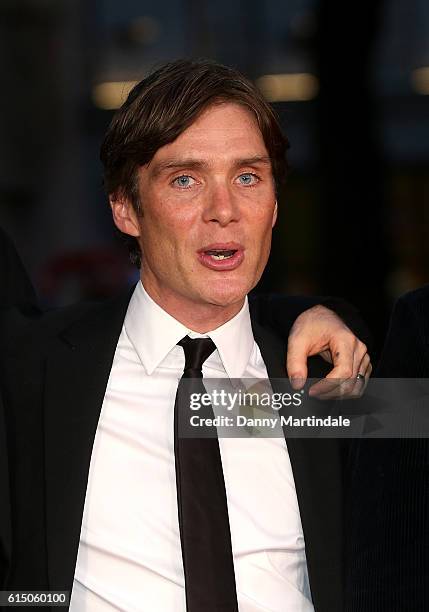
(22, 331)
(405, 353)
(55, 318)
(277, 310)
(411, 310)
(417, 300)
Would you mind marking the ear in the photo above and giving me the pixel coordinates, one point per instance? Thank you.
(124, 215)
(274, 215)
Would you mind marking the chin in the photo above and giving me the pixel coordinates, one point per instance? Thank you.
(227, 294)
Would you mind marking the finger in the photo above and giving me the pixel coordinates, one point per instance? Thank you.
(343, 352)
(348, 362)
(338, 389)
(361, 384)
(332, 386)
(343, 389)
(366, 360)
(296, 362)
(359, 369)
(349, 383)
(360, 353)
(362, 378)
(326, 388)
(364, 365)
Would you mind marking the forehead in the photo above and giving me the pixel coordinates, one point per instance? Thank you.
(222, 131)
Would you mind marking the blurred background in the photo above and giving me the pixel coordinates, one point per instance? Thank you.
(349, 80)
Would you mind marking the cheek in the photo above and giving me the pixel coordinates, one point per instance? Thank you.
(165, 238)
(263, 227)
(172, 217)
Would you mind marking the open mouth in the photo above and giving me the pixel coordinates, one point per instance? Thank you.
(222, 257)
(219, 254)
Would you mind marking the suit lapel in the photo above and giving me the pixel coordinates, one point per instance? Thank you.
(78, 369)
(316, 466)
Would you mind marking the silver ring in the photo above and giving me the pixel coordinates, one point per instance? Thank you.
(360, 377)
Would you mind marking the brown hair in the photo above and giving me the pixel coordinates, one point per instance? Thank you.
(165, 104)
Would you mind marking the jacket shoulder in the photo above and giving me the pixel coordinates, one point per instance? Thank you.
(17, 325)
(406, 349)
(417, 300)
(28, 339)
(411, 312)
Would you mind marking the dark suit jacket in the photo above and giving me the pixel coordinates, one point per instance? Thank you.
(15, 289)
(15, 286)
(388, 509)
(54, 372)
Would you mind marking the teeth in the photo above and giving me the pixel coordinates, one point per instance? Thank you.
(219, 255)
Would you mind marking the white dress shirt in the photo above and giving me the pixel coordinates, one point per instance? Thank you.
(129, 554)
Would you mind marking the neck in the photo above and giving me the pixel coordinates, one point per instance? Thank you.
(200, 317)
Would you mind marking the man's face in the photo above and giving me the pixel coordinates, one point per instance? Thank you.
(208, 203)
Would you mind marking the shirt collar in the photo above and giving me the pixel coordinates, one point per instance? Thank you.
(154, 333)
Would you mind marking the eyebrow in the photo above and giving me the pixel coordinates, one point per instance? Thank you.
(171, 164)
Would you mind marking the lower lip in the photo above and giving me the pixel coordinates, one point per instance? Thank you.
(223, 265)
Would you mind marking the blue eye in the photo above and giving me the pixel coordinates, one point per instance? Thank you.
(184, 181)
(248, 179)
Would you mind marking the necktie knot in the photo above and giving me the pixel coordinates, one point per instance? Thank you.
(197, 350)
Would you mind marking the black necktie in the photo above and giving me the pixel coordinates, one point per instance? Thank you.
(201, 497)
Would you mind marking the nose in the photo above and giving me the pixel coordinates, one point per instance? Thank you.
(222, 206)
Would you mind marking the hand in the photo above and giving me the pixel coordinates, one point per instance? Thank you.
(319, 331)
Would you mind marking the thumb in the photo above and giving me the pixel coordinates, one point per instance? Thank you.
(296, 363)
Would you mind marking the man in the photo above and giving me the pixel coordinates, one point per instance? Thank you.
(190, 162)
(389, 493)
